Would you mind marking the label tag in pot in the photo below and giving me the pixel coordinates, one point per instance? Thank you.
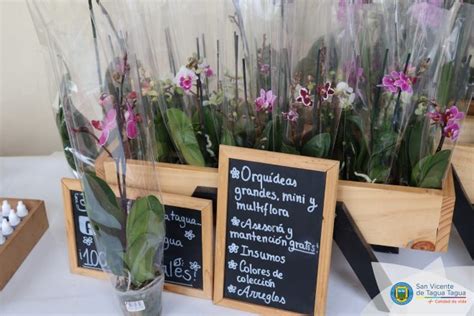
(135, 306)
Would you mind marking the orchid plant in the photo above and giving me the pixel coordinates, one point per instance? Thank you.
(190, 113)
(407, 99)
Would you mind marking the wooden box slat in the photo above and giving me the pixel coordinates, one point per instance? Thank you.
(387, 215)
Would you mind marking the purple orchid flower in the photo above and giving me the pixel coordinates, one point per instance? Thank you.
(265, 101)
(435, 116)
(397, 80)
(131, 120)
(206, 69)
(451, 130)
(291, 115)
(105, 126)
(453, 114)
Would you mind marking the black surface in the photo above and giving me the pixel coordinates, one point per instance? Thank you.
(355, 249)
(288, 281)
(385, 249)
(208, 194)
(180, 252)
(357, 252)
(463, 217)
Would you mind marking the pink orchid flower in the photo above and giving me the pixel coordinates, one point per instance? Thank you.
(398, 80)
(291, 115)
(453, 114)
(132, 95)
(106, 100)
(304, 97)
(265, 69)
(131, 120)
(185, 79)
(265, 101)
(451, 130)
(404, 83)
(105, 126)
(436, 116)
(206, 70)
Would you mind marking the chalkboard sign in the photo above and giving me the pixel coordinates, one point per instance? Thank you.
(188, 245)
(274, 231)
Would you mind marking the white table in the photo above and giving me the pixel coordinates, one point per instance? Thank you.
(43, 284)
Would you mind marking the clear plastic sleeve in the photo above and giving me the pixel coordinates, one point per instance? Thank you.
(108, 118)
(397, 64)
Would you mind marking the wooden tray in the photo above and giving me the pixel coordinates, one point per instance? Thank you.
(23, 239)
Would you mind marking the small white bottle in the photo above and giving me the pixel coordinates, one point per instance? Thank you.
(13, 218)
(7, 229)
(21, 209)
(6, 208)
(2, 239)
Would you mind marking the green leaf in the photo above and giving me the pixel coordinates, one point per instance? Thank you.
(244, 129)
(383, 149)
(212, 126)
(108, 220)
(182, 133)
(145, 234)
(445, 82)
(277, 134)
(318, 146)
(106, 211)
(164, 145)
(227, 138)
(429, 171)
(285, 148)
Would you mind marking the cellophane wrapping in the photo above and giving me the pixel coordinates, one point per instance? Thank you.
(102, 66)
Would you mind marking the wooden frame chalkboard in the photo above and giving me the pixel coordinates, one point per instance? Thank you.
(183, 203)
(327, 172)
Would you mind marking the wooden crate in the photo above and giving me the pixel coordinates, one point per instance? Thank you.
(463, 156)
(387, 215)
(23, 239)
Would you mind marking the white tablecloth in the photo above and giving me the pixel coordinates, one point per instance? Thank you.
(43, 284)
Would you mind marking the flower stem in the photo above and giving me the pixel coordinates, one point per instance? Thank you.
(245, 80)
(199, 90)
(441, 142)
(96, 49)
(236, 55)
(86, 131)
(316, 108)
(376, 107)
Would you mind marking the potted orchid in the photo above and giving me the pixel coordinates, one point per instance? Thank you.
(190, 112)
(409, 101)
(111, 110)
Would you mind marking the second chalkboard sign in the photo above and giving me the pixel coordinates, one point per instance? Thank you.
(188, 249)
(274, 231)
